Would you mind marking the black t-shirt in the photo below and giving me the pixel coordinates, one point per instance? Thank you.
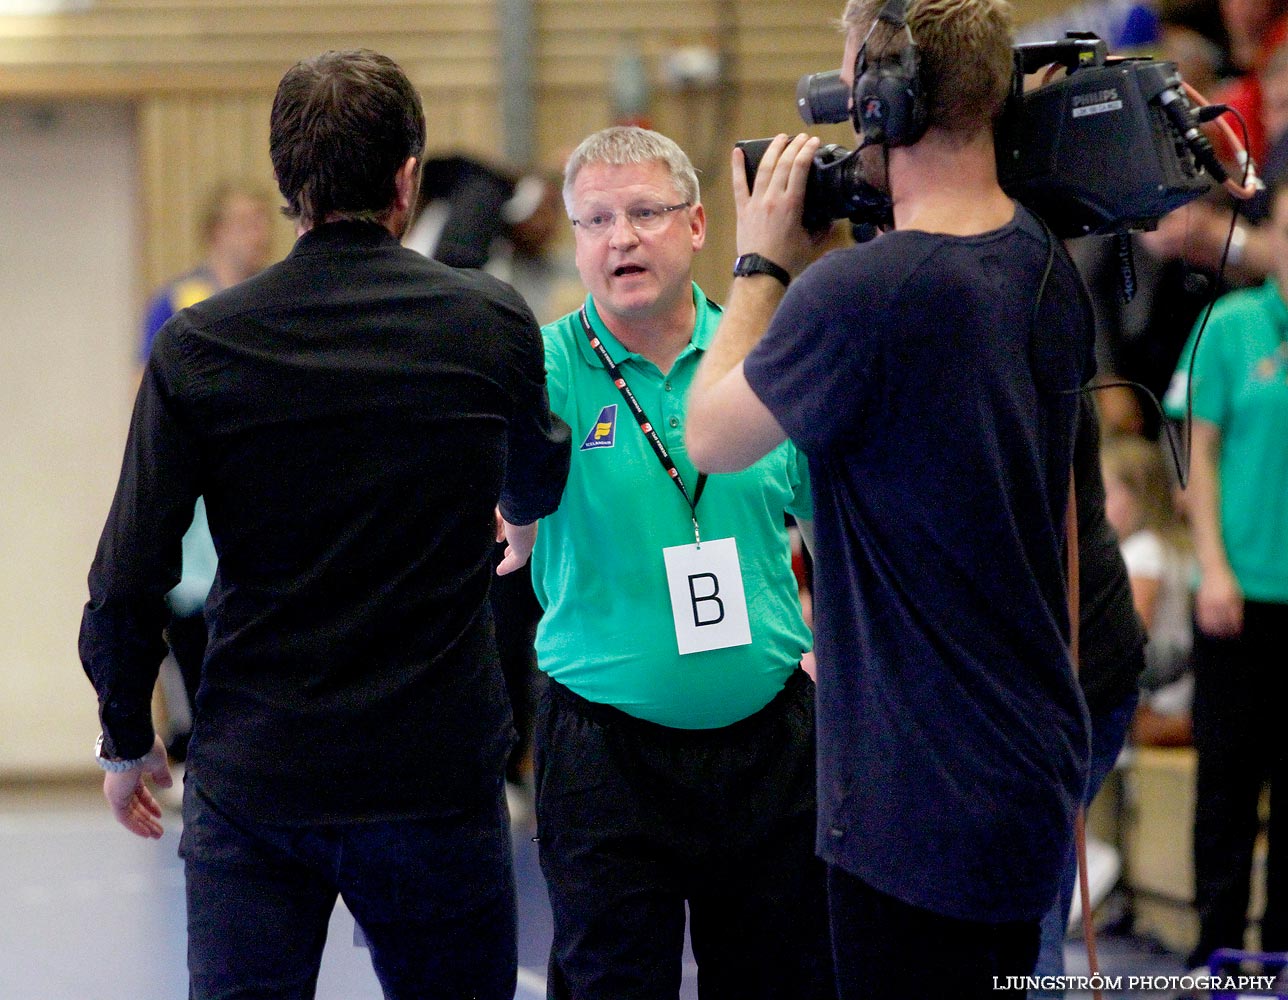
(352, 416)
(937, 407)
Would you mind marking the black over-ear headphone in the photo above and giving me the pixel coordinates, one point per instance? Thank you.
(889, 101)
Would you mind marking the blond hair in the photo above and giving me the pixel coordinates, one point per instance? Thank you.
(967, 62)
(1141, 468)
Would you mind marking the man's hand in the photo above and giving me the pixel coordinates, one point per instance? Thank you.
(1197, 233)
(729, 427)
(520, 539)
(769, 215)
(1218, 605)
(132, 802)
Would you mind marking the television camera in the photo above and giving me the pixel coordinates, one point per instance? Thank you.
(1109, 147)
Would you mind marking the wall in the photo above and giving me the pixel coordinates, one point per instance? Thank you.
(67, 212)
(201, 75)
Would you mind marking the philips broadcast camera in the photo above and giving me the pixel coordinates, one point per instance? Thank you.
(1110, 147)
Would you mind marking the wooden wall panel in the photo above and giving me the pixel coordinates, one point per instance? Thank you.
(191, 141)
(766, 45)
(202, 73)
(126, 46)
(187, 145)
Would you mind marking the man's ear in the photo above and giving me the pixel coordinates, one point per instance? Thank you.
(698, 226)
(407, 184)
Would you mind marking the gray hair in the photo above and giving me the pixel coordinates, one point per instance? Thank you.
(623, 144)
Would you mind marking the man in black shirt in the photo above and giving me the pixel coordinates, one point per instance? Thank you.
(353, 417)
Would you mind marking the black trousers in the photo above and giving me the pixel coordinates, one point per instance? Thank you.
(515, 612)
(887, 948)
(1240, 690)
(434, 897)
(635, 820)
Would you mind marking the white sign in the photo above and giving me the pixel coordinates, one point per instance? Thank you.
(707, 596)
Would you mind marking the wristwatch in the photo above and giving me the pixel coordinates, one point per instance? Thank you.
(113, 764)
(754, 263)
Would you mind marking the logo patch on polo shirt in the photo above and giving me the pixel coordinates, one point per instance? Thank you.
(603, 432)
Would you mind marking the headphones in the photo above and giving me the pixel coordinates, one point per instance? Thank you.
(888, 105)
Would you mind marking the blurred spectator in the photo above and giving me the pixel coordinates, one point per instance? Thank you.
(1274, 114)
(1237, 499)
(475, 214)
(1123, 24)
(1191, 33)
(1177, 264)
(1160, 566)
(1255, 28)
(1199, 232)
(529, 254)
(236, 229)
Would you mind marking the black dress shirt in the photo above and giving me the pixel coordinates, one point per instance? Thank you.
(352, 416)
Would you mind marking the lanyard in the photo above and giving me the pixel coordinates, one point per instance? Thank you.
(659, 449)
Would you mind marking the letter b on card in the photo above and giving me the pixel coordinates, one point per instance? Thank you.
(707, 597)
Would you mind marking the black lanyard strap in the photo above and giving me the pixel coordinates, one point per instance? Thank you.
(641, 418)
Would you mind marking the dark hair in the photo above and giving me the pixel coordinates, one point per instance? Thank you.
(343, 124)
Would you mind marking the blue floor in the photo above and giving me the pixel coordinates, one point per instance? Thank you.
(89, 912)
(1122, 955)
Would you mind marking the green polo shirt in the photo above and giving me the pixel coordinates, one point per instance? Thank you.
(1241, 386)
(608, 633)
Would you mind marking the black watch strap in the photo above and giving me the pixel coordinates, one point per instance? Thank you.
(754, 263)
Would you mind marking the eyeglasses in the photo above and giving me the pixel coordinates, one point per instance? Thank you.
(645, 218)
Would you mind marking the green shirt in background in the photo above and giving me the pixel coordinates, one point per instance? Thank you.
(608, 633)
(1241, 386)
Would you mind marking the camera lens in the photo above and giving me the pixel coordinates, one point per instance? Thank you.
(823, 98)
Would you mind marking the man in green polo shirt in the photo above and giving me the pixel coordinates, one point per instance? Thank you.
(1238, 507)
(675, 744)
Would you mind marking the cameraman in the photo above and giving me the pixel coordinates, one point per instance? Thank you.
(929, 375)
